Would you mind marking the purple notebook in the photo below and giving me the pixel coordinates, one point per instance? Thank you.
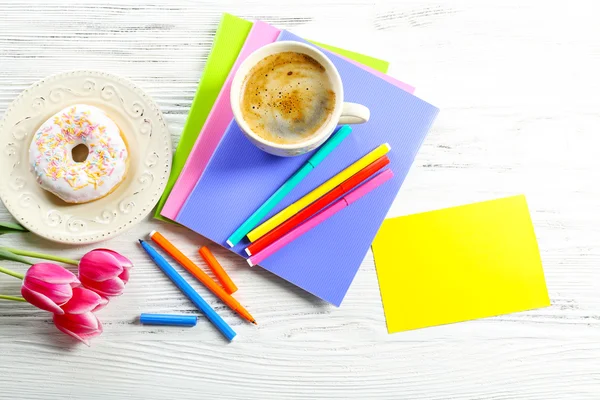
(240, 177)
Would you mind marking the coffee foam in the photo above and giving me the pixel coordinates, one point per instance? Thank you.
(287, 97)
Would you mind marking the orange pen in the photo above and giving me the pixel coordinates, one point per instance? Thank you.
(218, 270)
(206, 280)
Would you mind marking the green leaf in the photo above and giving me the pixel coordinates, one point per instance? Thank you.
(9, 227)
(7, 255)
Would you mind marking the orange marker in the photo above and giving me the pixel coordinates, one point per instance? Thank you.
(218, 270)
(206, 280)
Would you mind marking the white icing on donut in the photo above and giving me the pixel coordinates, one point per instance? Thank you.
(50, 154)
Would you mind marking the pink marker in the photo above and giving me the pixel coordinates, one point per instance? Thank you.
(320, 217)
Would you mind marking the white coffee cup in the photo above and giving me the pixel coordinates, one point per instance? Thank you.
(343, 113)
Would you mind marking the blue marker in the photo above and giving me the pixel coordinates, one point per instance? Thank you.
(253, 220)
(189, 291)
(168, 319)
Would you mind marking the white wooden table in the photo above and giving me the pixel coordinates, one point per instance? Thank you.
(517, 84)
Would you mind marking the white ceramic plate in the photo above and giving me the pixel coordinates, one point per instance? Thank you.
(149, 144)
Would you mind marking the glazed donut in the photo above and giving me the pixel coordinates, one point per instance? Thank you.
(89, 178)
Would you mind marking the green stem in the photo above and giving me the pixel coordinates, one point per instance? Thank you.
(50, 257)
(11, 273)
(13, 298)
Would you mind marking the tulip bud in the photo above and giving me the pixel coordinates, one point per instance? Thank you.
(104, 271)
(82, 327)
(83, 301)
(48, 286)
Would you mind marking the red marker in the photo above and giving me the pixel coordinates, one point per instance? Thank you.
(318, 205)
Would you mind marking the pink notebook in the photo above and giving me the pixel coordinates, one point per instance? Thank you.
(221, 115)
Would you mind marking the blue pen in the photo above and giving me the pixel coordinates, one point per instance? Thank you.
(253, 220)
(168, 319)
(189, 291)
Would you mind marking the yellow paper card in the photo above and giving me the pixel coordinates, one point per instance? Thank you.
(458, 264)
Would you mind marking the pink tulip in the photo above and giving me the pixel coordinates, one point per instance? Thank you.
(83, 301)
(104, 271)
(48, 286)
(80, 326)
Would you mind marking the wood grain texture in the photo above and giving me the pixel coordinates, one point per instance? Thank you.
(518, 90)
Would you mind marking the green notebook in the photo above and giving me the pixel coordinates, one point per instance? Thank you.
(229, 40)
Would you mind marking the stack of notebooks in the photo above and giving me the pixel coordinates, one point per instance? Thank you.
(219, 178)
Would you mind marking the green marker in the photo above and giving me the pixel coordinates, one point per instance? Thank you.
(253, 221)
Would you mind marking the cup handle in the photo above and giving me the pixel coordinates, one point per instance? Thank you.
(353, 113)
